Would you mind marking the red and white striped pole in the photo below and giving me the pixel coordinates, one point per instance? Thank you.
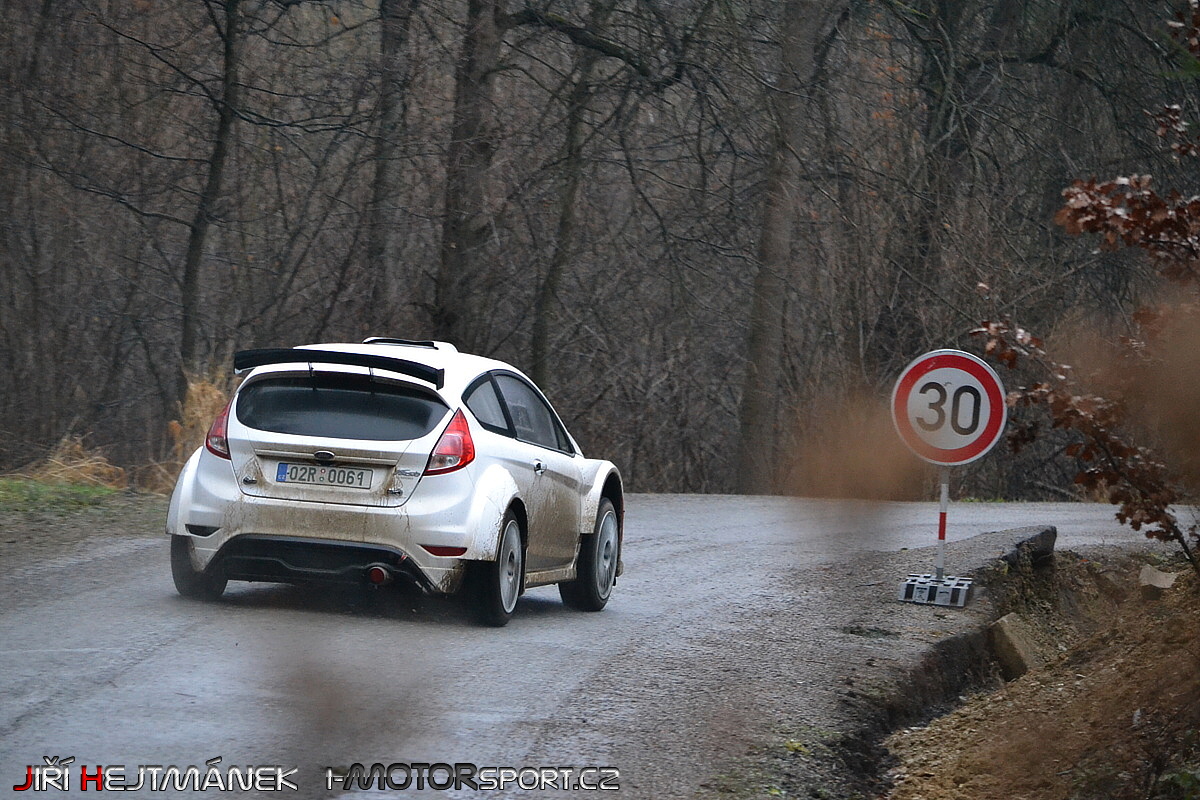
(944, 477)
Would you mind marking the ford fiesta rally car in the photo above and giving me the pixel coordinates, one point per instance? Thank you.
(389, 461)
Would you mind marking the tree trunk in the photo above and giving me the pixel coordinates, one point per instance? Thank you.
(759, 415)
(954, 98)
(395, 17)
(545, 313)
(467, 221)
(191, 290)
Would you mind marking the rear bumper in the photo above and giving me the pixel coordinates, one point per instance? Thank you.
(285, 559)
(208, 507)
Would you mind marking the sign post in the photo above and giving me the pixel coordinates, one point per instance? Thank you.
(943, 508)
(948, 407)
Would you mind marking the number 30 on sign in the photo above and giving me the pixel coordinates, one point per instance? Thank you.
(948, 407)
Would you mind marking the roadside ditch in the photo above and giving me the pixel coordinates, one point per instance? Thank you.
(1066, 676)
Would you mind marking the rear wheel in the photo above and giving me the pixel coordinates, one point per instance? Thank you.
(496, 585)
(598, 558)
(189, 581)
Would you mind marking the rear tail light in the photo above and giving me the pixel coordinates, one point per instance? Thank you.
(216, 440)
(454, 450)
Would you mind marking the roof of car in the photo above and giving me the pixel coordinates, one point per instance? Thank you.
(459, 369)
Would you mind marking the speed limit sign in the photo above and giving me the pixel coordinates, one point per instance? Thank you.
(948, 407)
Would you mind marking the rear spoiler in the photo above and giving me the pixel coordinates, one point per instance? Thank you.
(249, 359)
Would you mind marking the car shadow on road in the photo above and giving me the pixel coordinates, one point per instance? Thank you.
(400, 604)
(541, 606)
(381, 603)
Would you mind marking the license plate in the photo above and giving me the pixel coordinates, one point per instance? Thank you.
(349, 477)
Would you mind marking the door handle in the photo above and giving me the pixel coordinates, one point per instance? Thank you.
(539, 467)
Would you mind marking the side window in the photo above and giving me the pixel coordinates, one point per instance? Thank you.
(485, 405)
(532, 419)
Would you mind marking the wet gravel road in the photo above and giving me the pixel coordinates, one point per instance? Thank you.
(718, 634)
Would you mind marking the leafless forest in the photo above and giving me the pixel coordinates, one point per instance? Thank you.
(708, 228)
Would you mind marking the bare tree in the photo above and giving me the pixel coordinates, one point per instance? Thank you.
(382, 253)
(226, 20)
(804, 23)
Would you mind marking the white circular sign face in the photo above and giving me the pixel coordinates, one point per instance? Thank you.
(948, 407)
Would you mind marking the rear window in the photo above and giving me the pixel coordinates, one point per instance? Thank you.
(338, 407)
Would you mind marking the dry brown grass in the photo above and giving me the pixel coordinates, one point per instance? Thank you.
(204, 401)
(71, 462)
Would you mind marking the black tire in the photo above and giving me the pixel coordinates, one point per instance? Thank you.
(599, 555)
(208, 585)
(495, 586)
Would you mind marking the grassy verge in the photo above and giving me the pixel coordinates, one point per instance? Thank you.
(23, 494)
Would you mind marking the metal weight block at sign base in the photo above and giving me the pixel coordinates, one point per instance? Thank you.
(950, 591)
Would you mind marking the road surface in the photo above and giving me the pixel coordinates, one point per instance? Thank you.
(717, 625)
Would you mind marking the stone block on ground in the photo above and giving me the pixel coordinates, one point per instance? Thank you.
(1015, 646)
(1154, 581)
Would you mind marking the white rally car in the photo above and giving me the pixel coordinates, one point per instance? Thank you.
(390, 461)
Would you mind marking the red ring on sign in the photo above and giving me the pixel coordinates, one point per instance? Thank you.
(977, 369)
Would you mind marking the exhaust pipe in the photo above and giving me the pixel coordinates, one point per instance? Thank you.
(379, 574)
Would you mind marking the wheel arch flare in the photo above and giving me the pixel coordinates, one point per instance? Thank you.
(605, 480)
(495, 492)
